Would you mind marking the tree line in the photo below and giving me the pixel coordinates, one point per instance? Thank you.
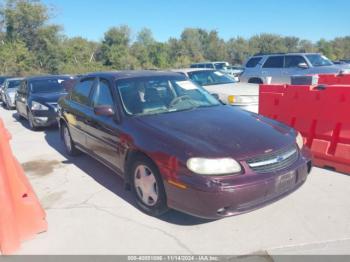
(29, 44)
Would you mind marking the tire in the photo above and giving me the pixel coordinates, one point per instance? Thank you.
(19, 116)
(255, 81)
(68, 142)
(147, 187)
(32, 125)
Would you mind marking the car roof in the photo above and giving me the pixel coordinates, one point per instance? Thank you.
(189, 70)
(283, 54)
(45, 77)
(209, 62)
(14, 79)
(125, 74)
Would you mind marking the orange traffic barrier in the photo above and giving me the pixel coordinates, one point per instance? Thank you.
(21, 216)
(334, 79)
(320, 113)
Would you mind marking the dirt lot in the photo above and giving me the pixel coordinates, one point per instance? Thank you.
(89, 212)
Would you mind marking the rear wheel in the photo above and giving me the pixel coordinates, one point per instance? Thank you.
(147, 186)
(68, 142)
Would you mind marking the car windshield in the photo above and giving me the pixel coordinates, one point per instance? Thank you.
(2, 80)
(13, 84)
(52, 85)
(162, 94)
(220, 66)
(210, 77)
(319, 60)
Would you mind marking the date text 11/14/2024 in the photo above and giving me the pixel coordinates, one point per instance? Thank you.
(173, 258)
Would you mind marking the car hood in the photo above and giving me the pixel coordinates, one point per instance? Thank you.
(334, 69)
(48, 97)
(11, 91)
(234, 89)
(237, 89)
(219, 131)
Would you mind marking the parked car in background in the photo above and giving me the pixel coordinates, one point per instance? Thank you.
(222, 66)
(278, 68)
(236, 70)
(218, 65)
(9, 92)
(2, 81)
(343, 61)
(36, 99)
(177, 147)
(243, 95)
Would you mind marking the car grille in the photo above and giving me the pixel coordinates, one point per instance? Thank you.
(275, 161)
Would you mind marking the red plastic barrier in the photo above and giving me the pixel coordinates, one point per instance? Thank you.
(321, 116)
(21, 216)
(334, 79)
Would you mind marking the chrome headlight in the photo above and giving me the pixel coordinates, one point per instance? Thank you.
(300, 140)
(221, 166)
(38, 106)
(242, 100)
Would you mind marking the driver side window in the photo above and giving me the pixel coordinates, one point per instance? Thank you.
(102, 94)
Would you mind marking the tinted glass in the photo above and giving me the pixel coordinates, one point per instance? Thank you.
(210, 77)
(253, 61)
(81, 91)
(220, 66)
(319, 60)
(14, 84)
(165, 94)
(102, 95)
(3, 79)
(52, 85)
(274, 62)
(293, 61)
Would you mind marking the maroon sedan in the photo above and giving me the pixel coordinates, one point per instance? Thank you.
(177, 147)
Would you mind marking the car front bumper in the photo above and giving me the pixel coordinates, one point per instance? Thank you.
(10, 100)
(218, 201)
(45, 118)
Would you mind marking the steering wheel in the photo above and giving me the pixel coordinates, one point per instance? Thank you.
(178, 99)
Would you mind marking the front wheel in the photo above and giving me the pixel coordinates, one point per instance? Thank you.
(68, 142)
(148, 188)
(31, 121)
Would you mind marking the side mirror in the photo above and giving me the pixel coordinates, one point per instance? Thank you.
(303, 65)
(104, 110)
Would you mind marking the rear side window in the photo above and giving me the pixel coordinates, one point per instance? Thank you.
(274, 62)
(293, 61)
(253, 62)
(81, 91)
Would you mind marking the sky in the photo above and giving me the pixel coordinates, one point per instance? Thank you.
(307, 19)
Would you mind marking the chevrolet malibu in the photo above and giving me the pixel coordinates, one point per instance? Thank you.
(177, 147)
